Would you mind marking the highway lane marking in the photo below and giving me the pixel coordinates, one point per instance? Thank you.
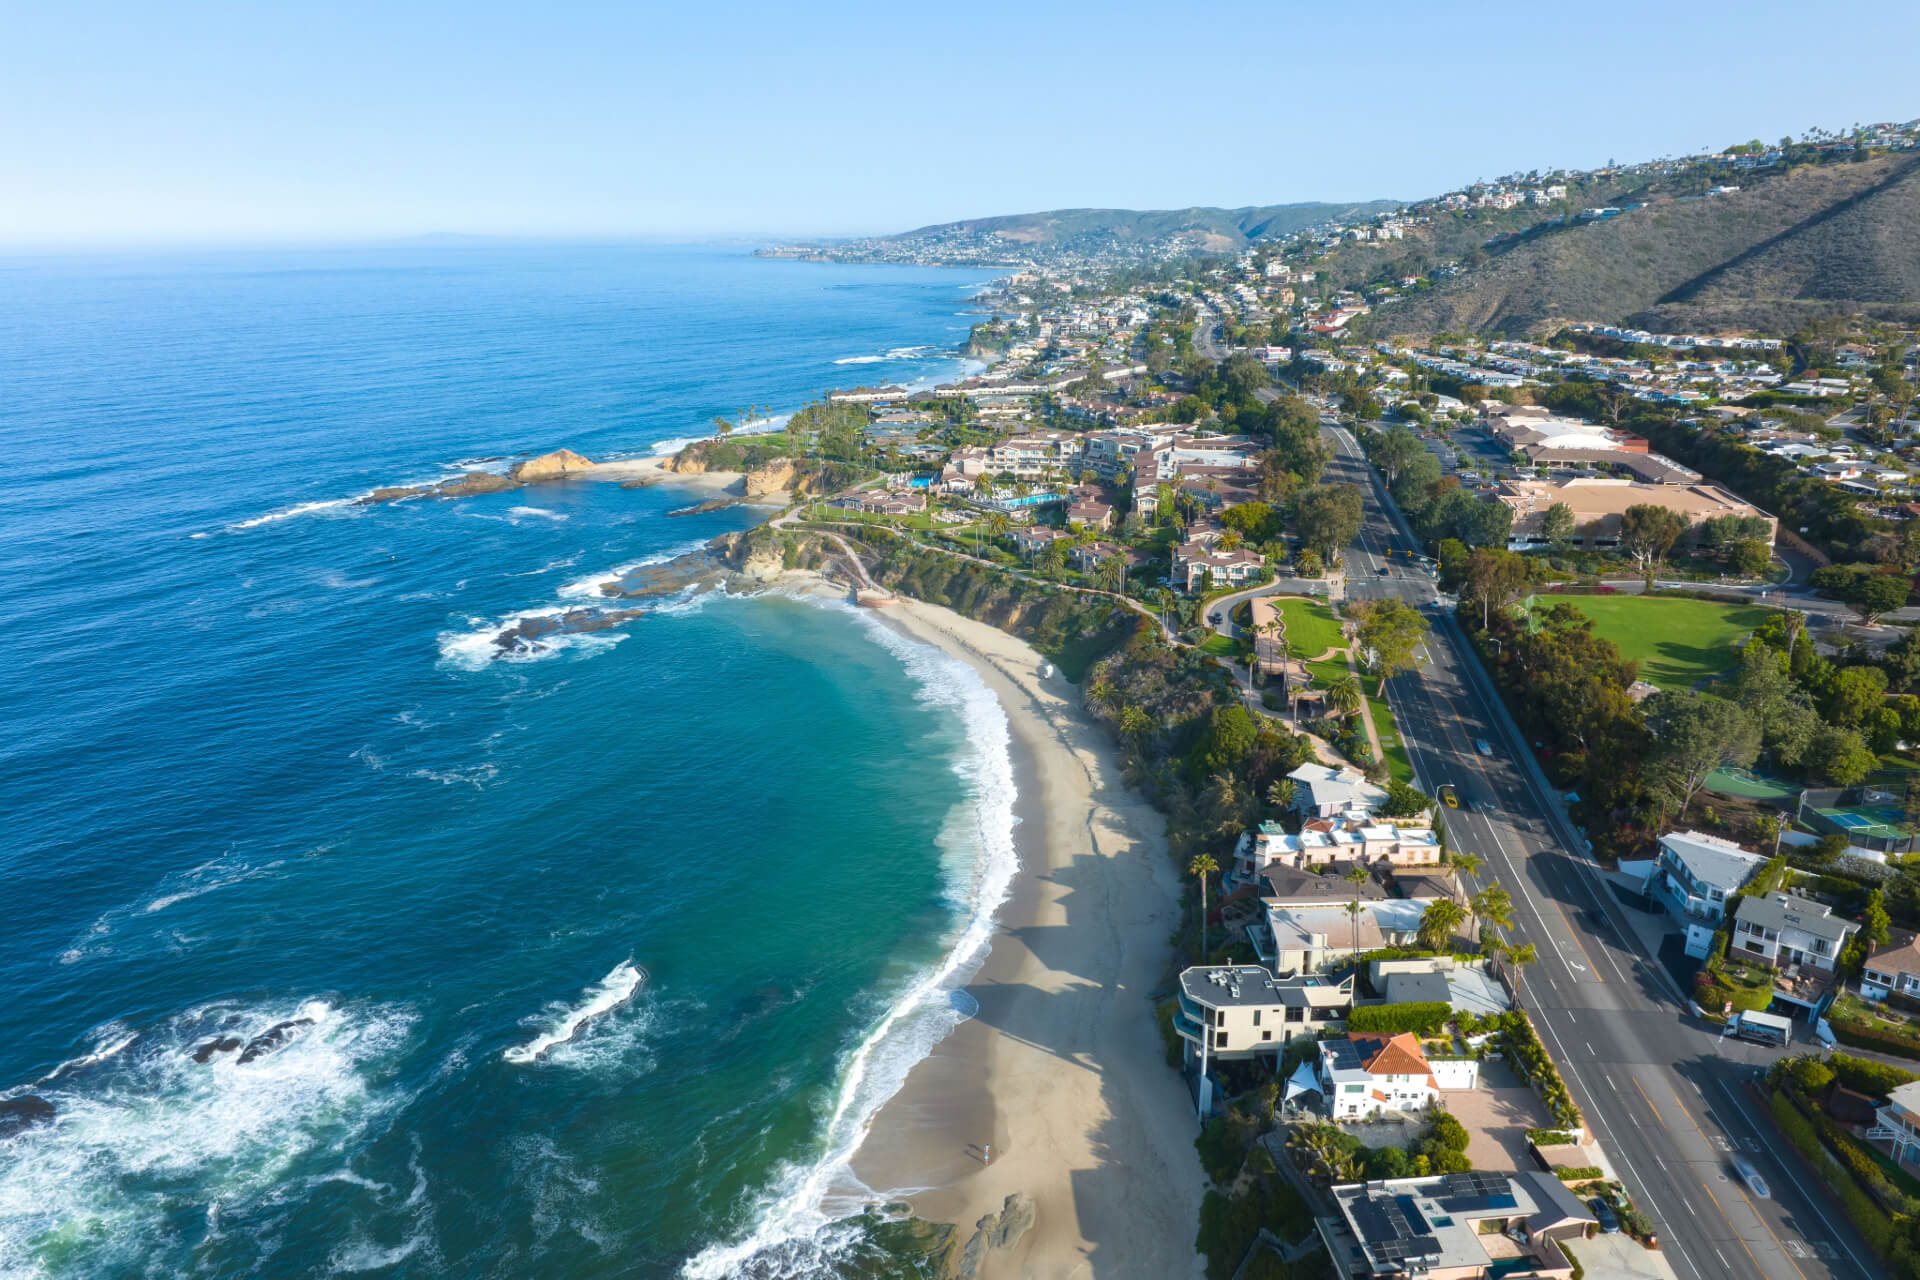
(1758, 1269)
(1780, 1162)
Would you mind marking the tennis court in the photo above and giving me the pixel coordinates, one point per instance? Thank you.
(1752, 784)
(1867, 822)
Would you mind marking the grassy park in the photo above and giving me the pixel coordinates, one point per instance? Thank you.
(1677, 641)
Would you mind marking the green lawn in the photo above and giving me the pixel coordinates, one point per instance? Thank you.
(1391, 745)
(1311, 627)
(1220, 646)
(1676, 641)
(1325, 673)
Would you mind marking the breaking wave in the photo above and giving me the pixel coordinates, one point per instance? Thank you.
(564, 1022)
(797, 1225)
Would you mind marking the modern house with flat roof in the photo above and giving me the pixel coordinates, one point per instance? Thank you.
(1311, 939)
(1455, 1226)
(1321, 791)
(1694, 876)
(1242, 1010)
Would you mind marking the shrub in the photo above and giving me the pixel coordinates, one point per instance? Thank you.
(1862, 1075)
(1550, 1137)
(1392, 1019)
(1579, 1173)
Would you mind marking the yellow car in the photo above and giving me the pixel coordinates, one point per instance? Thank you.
(1449, 798)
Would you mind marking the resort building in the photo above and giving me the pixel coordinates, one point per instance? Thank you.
(1199, 566)
(1599, 505)
(1694, 876)
(1455, 1226)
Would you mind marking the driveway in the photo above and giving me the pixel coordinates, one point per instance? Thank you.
(1497, 1116)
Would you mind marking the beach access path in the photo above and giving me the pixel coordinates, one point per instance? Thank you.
(1062, 1070)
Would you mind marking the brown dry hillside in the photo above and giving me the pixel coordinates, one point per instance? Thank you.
(1839, 237)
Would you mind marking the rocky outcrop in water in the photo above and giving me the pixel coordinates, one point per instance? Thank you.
(20, 1114)
(224, 1044)
(558, 465)
(277, 1036)
(527, 635)
(711, 504)
(551, 466)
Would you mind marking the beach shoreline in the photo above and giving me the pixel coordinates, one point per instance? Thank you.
(1061, 1072)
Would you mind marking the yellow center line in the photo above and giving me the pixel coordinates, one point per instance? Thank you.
(1575, 935)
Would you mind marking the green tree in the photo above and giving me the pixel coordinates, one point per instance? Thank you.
(1694, 735)
(1647, 534)
(1875, 925)
(1394, 450)
(1281, 794)
(1344, 695)
(1493, 578)
(1392, 630)
(1356, 876)
(1438, 923)
(1878, 594)
(1492, 907)
(1231, 736)
(1328, 517)
(1557, 526)
(1750, 558)
(1852, 694)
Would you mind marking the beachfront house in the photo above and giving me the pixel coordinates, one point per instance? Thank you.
(1693, 878)
(1321, 791)
(1313, 939)
(1243, 1010)
(1365, 1075)
(1454, 1226)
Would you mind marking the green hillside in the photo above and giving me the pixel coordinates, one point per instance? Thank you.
(1820, 239)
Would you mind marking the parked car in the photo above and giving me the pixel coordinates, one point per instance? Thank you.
(1609, 1220)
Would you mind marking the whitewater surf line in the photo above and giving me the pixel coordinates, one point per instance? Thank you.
(602, 997)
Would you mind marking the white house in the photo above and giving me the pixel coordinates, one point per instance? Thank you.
(1240, 1011)
(1694, 876)
(1310, 939)
(1364, 1075)
(1897, 1121)
(1799, 937)
(1325, 792)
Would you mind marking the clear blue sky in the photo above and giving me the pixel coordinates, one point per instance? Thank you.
(125, 121)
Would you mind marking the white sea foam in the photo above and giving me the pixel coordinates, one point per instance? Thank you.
(752, 427)
(797, 1227)
(147, 1134)
(109, 1041)
(298, 509)
(861, 360)
(540, 512)
(564, 1022)
(589, 586)
(476, 777)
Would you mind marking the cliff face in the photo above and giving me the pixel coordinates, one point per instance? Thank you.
(551, 466)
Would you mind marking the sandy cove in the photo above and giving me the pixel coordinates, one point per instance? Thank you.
(1062, 1071)
(654, 467)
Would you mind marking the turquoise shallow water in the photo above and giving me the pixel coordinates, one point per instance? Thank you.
(595, 960)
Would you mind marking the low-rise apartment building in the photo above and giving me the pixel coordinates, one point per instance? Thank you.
(1599, 505)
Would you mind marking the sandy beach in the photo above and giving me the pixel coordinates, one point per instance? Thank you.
(655, 468)
(1062, 1072)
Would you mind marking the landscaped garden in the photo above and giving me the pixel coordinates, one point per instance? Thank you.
(1866, 1024)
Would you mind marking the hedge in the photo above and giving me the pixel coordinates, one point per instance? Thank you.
(1422, 1018)
(1579, 1173)
(1863, 1075)
(1862, 1038)
(1876, 1227)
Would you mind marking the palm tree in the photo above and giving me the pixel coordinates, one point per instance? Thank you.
(1517, 959)
(1493, 907)
(1467, 864)
(1201, 867)
(1282, 793)
(1356, 876)
(1438, 922)
(997, 523)
(1343, 695)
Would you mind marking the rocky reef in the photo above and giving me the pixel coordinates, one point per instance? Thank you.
(558, 465)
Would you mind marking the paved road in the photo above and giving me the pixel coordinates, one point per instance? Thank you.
(1664, 1093)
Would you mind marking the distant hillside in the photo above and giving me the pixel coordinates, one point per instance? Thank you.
(1064, 236)
(1820, 239)
(1229, 229)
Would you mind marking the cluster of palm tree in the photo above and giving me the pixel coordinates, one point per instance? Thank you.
(1491, 908)
(1315, 1150)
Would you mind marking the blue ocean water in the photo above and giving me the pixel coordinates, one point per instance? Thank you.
(595, 962)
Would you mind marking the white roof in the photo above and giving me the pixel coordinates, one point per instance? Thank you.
(1711, 859)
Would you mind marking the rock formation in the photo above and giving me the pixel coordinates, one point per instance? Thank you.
(551, 466)
(996, 1231)
(17, 1114)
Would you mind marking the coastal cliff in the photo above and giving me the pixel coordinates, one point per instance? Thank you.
(764, 475)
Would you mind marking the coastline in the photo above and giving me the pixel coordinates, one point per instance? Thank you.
(1061, 1070)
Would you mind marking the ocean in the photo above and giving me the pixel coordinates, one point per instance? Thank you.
(339, 946)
